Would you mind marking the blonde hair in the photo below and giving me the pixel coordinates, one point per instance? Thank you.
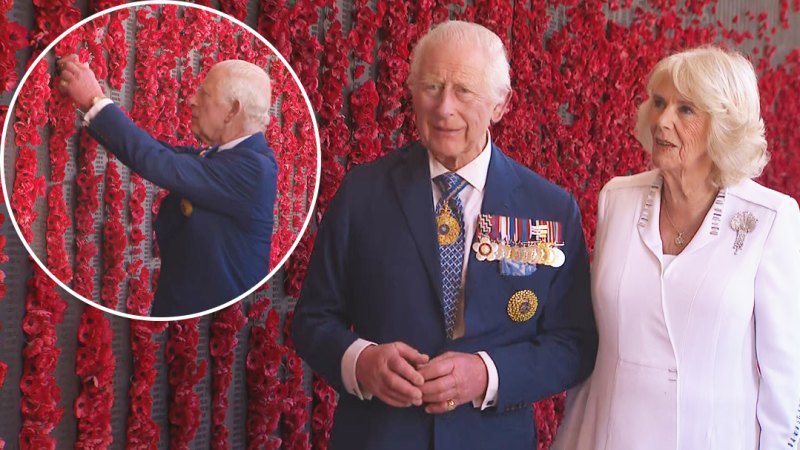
(480, 38)
(723, 84)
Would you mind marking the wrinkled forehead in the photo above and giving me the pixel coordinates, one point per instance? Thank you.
(453, 60)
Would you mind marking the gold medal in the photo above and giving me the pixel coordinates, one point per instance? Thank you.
(525, 254)
(186, 207)
(522, 305)
(504, 251)
(551, 256)
(516, 255)
(544, 253)
(447, 226)
(533, 255)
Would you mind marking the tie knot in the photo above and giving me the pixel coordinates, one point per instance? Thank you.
(206, 152)
(449, 182)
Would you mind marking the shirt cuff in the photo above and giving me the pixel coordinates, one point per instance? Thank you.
(102, 103)
(490, 398)
(349, 361)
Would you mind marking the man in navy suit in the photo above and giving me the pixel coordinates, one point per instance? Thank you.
(448, 288)
(214, 229)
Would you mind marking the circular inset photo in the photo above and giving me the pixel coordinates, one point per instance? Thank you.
(160, 160)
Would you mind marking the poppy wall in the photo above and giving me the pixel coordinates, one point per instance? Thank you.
(75, 376)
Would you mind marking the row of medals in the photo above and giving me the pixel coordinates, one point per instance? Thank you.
(537, 252)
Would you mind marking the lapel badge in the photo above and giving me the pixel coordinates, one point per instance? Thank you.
(485, 249)
(186, 207)
(522, 305)
(743, 222)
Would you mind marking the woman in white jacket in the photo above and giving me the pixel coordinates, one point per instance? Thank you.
(695, 280)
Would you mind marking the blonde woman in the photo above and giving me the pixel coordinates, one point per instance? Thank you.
(696, 278)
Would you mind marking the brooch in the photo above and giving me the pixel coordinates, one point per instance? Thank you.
(742, 223)
(522, 306)
(186, 207)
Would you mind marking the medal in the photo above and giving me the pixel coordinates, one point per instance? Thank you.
(485, 249)
(515, 254)
(558, 257)
(533, 255)
(447, 226)
(503, 251)
(522, 306)
(545, 254)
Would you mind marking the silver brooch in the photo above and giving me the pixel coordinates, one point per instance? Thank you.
(742, 223)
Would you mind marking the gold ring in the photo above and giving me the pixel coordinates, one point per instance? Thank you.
(64, 83)
(451, 404)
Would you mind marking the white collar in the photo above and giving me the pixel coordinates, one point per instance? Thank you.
(234, 142)
(474, 172)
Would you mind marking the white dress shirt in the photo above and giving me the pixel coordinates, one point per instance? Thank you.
(471, 197)
(95, 109)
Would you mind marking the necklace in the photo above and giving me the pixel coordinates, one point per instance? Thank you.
(679, 239)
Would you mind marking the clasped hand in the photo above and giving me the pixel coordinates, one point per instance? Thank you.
(401, 376)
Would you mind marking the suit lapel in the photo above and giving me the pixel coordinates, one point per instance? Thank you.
(412, 182)
(709, 229)
(501, 183)
(647, 225)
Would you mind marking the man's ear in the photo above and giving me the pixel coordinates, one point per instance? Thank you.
(236, 108)
(501, 108)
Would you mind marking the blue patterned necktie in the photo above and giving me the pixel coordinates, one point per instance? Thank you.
(208, 151)
(451, 251)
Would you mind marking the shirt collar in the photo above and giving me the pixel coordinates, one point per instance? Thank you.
(233, 143)
(474, 172)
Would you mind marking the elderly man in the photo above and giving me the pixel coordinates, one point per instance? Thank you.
(214, 229)
(449, 287)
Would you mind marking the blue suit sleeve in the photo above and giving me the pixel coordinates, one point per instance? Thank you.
(182, 148)
(563, 352)
(321, 327)
(226, 184)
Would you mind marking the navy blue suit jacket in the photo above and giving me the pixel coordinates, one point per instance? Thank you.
(375, 273)
(222, 249)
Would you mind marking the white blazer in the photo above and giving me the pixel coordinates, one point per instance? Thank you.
(705, 352)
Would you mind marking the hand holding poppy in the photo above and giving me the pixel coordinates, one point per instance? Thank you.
(78, 82)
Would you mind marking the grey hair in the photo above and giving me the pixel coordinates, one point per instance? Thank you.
(479, 37)
(723, 84)
(246, 82)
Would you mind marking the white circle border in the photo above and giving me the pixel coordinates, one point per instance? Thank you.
(241, 24)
